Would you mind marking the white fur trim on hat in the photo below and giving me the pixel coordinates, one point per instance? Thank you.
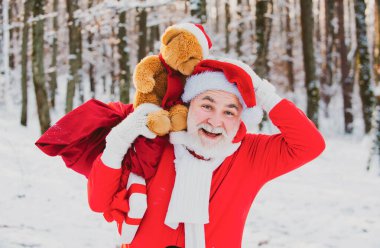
(210, 80)
(204, 81)
(198, 34)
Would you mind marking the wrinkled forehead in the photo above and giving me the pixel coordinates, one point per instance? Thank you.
(218, 97)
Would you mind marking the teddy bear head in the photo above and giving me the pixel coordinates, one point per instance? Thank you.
(183, 46)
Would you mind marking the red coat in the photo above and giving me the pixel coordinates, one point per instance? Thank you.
(234, 186)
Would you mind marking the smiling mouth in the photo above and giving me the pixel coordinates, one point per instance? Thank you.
(209, 134)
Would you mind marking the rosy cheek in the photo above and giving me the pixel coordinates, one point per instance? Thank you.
(231, 124)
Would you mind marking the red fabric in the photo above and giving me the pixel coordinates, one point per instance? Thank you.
(234, 74)
(136, 188)
(174, 90)
(133, 221)
(234, 185)
(118, 209)
(79, 137)
(242, 131)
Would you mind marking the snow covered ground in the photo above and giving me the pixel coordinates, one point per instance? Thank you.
(331, 202)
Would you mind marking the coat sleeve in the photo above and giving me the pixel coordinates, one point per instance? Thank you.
(103, 183)
(298, 143)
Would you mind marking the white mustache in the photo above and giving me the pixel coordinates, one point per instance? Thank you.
(214, 130)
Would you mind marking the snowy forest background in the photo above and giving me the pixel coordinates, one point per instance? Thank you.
(323, 55)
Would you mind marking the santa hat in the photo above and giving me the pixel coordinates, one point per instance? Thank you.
(198, 31)
(228, 75)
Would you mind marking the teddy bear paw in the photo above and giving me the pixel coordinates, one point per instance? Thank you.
(178, 118)
(159, 122)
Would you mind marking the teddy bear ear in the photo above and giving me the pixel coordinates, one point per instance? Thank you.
(170, 34)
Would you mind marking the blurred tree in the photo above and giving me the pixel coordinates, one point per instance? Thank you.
(38, 66)
(289, 44)
(198, 11)
(28, 7)
(240, 28)
(377, 44)
(142, 19)
(217, 18)
(53, 65)
(328, 64)
(226, 26)
(346, 81)
(311, 82)
(154, 35)
(125, 74)
(75, 55)
(91, 68)
(366, 91)
(263, 32)
(11, 8)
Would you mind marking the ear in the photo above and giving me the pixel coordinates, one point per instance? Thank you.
(170, 34)
(187, 67)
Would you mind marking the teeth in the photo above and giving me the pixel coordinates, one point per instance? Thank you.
(211, 131)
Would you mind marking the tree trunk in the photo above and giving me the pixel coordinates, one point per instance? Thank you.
(217, 18)
(264, 10)
(154, 35)
(346, 82)
(377, 44)
(311, 83)
(28, 6)
(226, 26)
(91, 63)
(142, 19)
(53, 67)
(125, 74)
(38, 67)
(198, 11)
(240, 28)
(75, 56)
(4, 84)
(366, 92)
(289, 47)
(11, 33)
(328, 65)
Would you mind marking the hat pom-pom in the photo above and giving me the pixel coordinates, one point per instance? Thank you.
(252, 116)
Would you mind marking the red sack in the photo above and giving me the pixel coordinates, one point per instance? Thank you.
(79, 137)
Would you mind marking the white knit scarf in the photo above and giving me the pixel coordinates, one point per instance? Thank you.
(189, 203)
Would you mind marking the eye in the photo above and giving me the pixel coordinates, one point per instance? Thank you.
(229, 113)
(207, 107)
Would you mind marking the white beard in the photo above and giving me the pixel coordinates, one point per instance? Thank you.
(192, 141)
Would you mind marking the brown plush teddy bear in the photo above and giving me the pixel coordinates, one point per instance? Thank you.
(159, 79)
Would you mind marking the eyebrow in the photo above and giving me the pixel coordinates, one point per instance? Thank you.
(233, 106)
(209, 98)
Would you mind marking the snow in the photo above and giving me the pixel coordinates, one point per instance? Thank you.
(330, 202)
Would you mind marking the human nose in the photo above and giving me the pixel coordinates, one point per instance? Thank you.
(215, 120)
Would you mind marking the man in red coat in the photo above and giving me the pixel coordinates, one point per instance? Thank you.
(209, 175)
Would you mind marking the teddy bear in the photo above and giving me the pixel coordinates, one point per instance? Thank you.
(159, 79)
